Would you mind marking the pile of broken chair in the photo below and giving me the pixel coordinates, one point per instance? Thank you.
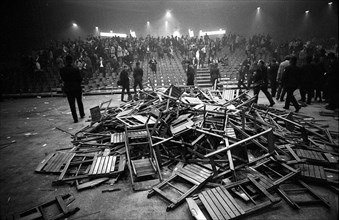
(229, 155)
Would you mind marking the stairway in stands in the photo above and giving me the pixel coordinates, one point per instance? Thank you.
(228, 73)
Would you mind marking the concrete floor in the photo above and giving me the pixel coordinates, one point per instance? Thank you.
(30, 124)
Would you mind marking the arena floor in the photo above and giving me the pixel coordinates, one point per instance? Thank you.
(29, 125)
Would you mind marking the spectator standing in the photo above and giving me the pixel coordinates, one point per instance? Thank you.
(72, 86)
(332, 82)
(260, 82)
(281, 89)
(137, 75)
(153, 65)
(215, 74)
(241, 78)
(272, 75)
(124, 82)
(190, 75)
(291, 81)
(307, 80)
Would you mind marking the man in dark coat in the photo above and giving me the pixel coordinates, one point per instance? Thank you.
(215, 74)
(72, 86)
(137, 75)
(332, 82)
(260, 82)
(241, 77)
(190, 75)
(124, 81)
(307, 80)
(272, 75)
(153, 65)
(291, 81)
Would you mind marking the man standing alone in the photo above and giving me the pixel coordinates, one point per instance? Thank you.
(72, 85)
(137, 75)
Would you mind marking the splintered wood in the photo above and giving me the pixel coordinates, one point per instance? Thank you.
(245, 152)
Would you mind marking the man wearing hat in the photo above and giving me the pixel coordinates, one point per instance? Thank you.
(72, 86)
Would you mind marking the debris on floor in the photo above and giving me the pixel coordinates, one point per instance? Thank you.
(229, 156)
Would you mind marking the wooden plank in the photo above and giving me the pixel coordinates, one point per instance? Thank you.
(43, 162)
(311, 169)
(317, 172)
(101, 165)
(208, 172)
(105, 165)
(184, 176)
(112, 167)
(122, 163)
(234, 210)
(231, 199)
(93, 165)
(199, 172)
(212, 205)
(195, 176)
(208, 207)
(307, 169)
(109, 164)
(62, 161)
(53, 161)
(195, 210)
(292, 153)
(161, 193)
(322, 173)
(227, 212)
(95, 171)
(217, 204)
(62, 204)
(330, 158)
(271, 198)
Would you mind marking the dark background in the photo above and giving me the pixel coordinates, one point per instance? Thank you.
(30, 24)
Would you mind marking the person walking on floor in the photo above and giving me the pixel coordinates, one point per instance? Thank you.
(72, 86)
(124, 82)
(281, 89)
(291, 81)
(260, 82)
(137, 75)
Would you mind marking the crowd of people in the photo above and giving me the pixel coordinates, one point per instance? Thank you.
(110, 56)
(306, 67)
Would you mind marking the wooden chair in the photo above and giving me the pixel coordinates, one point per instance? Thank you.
(142, 158)
(219, 203)
(193, 176)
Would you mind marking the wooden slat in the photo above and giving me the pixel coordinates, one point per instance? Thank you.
(261, 189)
(188, 178)
(235, 211)
(227, 212)
(104, 167)
(43, 162)
(122, 163)
(113, 163)
(53, 161)
(98, 161)
(322, 173)
(330, 158)
(292, 153)
(102, 162)
(209, 172)
(217, 205)
(208, 207)
(199, 172)
(311, 169)
(109, 164)
(190, 175)
(212, 205)
(93, 165)
(195, 175)
(232, 200)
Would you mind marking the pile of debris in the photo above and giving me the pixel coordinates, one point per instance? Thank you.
(230, 154)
